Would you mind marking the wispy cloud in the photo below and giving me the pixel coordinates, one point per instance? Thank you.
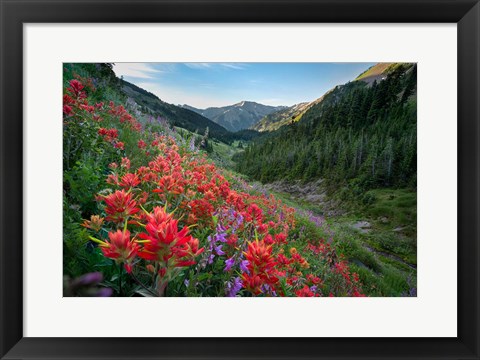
(199, 66)
(136, 70)
(234, 66)
(213, 65)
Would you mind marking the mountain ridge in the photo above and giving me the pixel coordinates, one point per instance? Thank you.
(178, 116)
(294, 113)
(238, 116)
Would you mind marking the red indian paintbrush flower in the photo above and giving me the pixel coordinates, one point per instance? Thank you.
(164, 240)
(305, 292)
(252, 283)
(120, 248)
(261, 267)
(120, 205)
(76, 88)
(67, 109)
(259, 255)
(129, 180)
(169, 184)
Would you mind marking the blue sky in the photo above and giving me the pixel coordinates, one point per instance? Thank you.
(204, 85)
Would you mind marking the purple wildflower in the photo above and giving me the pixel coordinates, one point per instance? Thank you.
(232, 288)
(267, 289)
(88, 279)
(104, 292)
(192, 144)
(214, 248)
(243, 266)
(210, 259)
(218, 250)
(221, 234)
(229, 264)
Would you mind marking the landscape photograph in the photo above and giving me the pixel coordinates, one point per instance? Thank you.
(240, 179)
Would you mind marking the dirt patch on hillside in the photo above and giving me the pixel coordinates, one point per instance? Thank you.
(313, 192)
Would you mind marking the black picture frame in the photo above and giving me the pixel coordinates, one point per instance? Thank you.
(14, 13)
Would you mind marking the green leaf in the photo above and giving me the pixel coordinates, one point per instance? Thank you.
(143, 292)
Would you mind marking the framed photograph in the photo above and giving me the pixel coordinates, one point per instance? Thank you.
(237, 179)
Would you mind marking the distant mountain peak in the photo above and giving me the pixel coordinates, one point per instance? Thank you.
(239, 116)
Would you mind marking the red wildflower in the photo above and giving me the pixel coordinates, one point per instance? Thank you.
(119, 206)
(120, 248)
(268, 239)
(75, 88)
(87, 108)
(356, 293)
(67, 100)
(262, 229)
(129, 180)
(201, 208)
(125, 163)
(252, 283)
(169, 184)
(165, 241)
(67, 110)
(261, 264)
(186, 253)
(298, 258)
(144, 197)
(108, 134)
(305, 292)
(281, 238)
(313, 280)
(283, 260)
(112, 179)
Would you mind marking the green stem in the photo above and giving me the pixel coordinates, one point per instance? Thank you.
(141, 284)
(120, 279)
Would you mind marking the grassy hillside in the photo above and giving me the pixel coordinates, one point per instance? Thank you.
(286, 116)
(177, 116)
(282, 117)
(376, 72)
